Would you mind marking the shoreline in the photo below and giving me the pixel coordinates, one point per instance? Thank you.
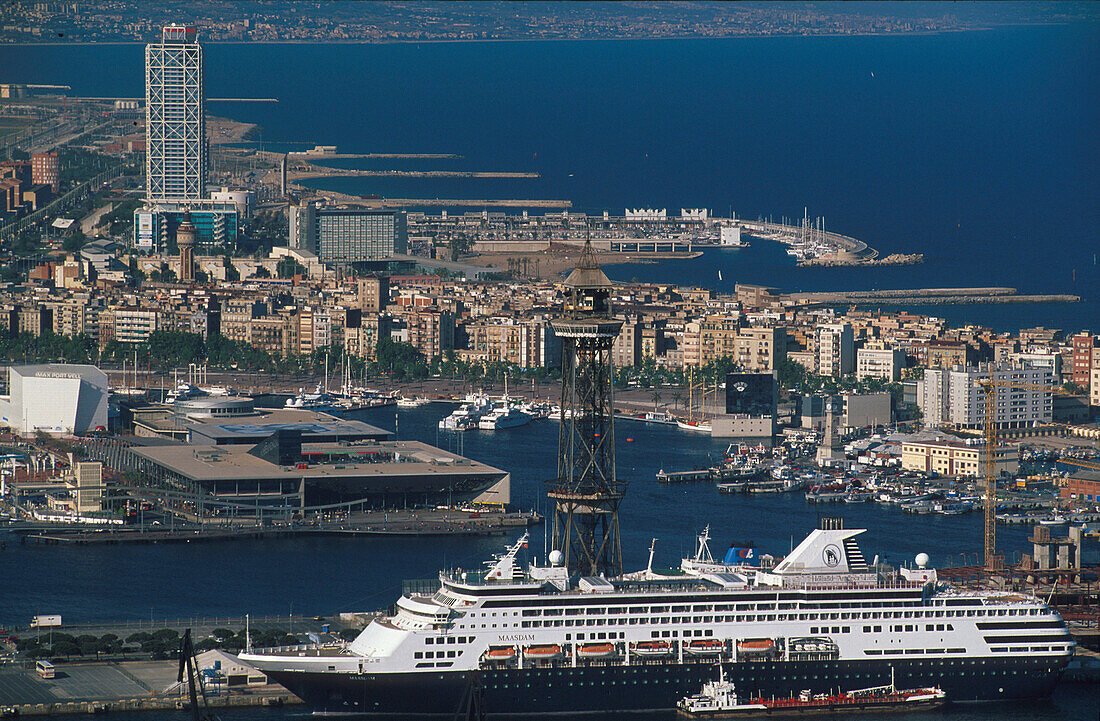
(436, 41)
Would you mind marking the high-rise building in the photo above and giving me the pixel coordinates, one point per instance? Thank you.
(954, 398)
(348, 235)
(46, 170)
(1082, 350)
(175, 117)
(836, 353)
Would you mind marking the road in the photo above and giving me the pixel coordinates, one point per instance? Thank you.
(89, 221)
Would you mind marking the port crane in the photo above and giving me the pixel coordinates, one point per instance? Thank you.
(989, 427)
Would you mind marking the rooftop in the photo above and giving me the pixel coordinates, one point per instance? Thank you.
(366, 460)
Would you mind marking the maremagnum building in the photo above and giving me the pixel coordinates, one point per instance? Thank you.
(223, 456)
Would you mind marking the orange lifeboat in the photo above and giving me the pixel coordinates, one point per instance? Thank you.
(704, 647)
(596, 650)
(757, 646)
(506, 653)
(548, 652)
(652, 648)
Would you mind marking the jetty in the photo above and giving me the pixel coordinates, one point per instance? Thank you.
(926, 296)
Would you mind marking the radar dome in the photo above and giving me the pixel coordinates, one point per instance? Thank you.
(922, 560)
(556, 557)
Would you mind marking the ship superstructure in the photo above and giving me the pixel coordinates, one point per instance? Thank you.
(536, 640)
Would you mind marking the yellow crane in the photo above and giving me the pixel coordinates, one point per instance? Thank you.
(989, 428)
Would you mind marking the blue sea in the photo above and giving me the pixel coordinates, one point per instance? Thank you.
(978, 149)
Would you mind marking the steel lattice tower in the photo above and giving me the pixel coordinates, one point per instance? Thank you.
(587, 492)
(175, 117)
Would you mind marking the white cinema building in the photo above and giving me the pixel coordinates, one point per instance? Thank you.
(55, 398)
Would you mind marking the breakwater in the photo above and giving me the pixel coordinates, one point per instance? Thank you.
(927, 296)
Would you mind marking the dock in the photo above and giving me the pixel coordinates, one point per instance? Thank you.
(95, 688)
(925, 296)
(684, 476)
(396, 523)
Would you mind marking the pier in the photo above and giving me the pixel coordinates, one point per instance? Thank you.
(375, 523)
(926, 296)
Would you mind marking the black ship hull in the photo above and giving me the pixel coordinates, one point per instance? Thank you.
(657, 686)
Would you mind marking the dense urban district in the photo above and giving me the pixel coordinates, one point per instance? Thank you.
(191, 332)
(127, 20)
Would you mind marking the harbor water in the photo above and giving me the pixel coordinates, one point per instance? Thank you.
(309, 576)
(324, 575)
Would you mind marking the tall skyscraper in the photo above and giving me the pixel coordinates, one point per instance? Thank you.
(175, 117)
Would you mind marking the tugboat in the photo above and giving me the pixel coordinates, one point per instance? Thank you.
(719, 699)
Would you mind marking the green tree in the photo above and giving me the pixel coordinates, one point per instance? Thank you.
(74, 241)
(231, 272)
(261, 272)
(288, 268)
(400, 359)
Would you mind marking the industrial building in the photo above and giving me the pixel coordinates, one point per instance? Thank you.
(348, 235)
(54, 398)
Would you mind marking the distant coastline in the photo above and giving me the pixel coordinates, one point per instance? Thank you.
(441, 41)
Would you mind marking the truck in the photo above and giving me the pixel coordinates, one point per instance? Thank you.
(46, 621)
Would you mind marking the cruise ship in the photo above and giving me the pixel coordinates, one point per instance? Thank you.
(527, 639)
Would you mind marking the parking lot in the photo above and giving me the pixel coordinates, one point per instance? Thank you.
(74, 682)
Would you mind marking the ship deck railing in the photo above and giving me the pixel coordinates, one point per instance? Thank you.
(303, 649)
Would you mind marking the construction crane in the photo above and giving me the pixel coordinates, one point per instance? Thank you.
(989, 387)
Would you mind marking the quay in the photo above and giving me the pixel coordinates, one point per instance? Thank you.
(373, 523)
(98, 688)
(925, 296)
(324, 172)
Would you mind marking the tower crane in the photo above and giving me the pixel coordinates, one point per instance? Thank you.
(989, 427)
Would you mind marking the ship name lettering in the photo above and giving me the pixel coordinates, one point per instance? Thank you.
(516, 637)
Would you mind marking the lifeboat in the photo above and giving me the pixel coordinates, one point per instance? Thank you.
(704, 647)
(596, 650)
(652, 649)
(756, 646)
(506, 653)
(542, 653)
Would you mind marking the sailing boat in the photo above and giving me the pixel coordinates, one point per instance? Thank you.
(719, 276)
(691, 423)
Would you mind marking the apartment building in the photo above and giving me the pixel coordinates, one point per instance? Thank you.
(760, 349)
(836, 354)
(955, 399)
(884, 363)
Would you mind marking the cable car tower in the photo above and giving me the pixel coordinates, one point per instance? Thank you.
(586, 492)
